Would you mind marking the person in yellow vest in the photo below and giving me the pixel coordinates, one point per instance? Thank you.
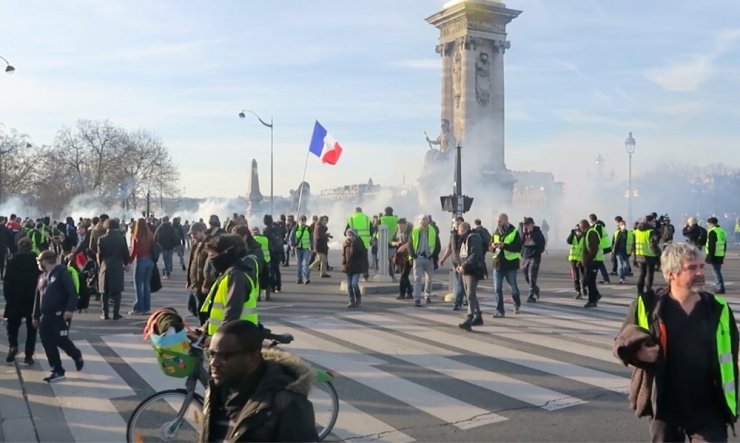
(234, 294)
(301, 240)
(265, 278)
(737, 231)
(592, 260)
(715, 251)
(683, 344)
(647, 252)
(390, 221)
(506, 245)
(622, 243)
(575, 253)
(363, 226)
(605, 242)
(424, 239)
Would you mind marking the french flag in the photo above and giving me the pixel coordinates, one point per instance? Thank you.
(324, 146)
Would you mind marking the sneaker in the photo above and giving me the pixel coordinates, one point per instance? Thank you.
(326, 276)
(417, 304)
(134, 313)
(351, 305)
(456, 308)
(531, 299)
(79, 364)
(117, 317)
(578, 296)
(590, 305)
(477, 321)
(401, 297)
(28, 360)
(428, 299)
(11, 355)
(410, 297)
(104, 317)
(498, 315)
(613, 273)
(307, 282)
(299, 282)
(621, 281)
(55, 376)
(517, 309)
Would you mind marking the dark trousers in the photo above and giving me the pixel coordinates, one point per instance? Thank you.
(195, 302)
(277, 279)
(459, 289)
(715, 431)
(3, 257)
(592, 270)
(647, 272)
(604, 272)
(577, 273)
(405, 287)
(107, 297)
(14, 325)
(54, 332)
(531, 269)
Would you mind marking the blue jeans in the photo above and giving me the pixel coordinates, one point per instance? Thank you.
(459, 289)
(142, 278)
(510, 277)
(167, 258)
(719, 282)
(302, 257)
(353, 287)
(623, 264)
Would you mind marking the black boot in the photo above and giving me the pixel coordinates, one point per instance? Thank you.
(467, 323)
(477, 320)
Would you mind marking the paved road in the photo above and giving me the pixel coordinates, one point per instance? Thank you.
(406, 373)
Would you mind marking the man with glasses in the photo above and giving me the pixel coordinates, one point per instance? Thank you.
(255, 395)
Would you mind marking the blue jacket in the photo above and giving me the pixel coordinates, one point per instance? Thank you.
(55, 293)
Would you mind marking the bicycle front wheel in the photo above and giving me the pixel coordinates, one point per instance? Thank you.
(165, 416)
(325, 403)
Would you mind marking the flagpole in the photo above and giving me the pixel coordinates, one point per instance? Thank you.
(300, 191)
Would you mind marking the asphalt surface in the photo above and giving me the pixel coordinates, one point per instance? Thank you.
(405, 373)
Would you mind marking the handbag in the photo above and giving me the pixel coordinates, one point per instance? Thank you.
(155, 282)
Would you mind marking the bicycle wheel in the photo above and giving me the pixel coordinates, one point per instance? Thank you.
(164, 416)
(325, 403)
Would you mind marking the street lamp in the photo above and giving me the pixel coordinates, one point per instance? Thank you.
(629, 146)
(269, 125)
(8, 68)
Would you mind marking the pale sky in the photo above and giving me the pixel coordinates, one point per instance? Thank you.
(579, 76)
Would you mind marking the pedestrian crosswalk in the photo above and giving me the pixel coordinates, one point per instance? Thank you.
(405, 373)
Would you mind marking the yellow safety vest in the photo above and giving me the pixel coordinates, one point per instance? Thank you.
(303, 237)
(723, 351)
(391, 222)
(737, 227)
(431, 238)
(216, 302)
(509, 239)
(600, 252)
(604, 242)
(75, 278)
(360, 223)
(720, 245)
(630, 239)
(265, 243)
(576, 249)
(642, 244)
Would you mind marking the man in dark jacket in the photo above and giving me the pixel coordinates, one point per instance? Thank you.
(255, 395)
(695, 235)
(54, 305)
(647, 252)
(113, 257)
(19, 288)
(196, 271)
(506, 246)
(166, 238)
(683, 343)
(533, 245)
(471, 268)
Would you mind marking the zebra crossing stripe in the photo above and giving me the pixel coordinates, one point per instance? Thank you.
(563, 319)
(84, 398)
(354, 365)
(562, 369)
(365, 427)
(428, 357)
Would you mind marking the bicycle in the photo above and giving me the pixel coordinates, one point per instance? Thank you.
(177, 414)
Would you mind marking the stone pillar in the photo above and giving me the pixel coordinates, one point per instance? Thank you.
(472, 43)
(383, 259)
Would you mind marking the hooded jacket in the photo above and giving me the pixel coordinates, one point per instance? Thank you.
(279, 409)
(55, 293)
(19, 286)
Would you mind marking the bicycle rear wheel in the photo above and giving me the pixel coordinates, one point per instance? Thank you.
(325, 403)
(164, 416)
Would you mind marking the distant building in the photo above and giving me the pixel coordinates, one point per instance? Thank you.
(353, 192)
(537, 190)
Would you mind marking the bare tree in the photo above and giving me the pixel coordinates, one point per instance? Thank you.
(17, 164)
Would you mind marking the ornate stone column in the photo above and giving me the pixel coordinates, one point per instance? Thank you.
(472, 43)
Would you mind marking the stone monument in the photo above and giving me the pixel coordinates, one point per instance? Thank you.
(472, 44)
(254, 196)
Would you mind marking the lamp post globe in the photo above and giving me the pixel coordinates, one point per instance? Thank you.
(8, 67)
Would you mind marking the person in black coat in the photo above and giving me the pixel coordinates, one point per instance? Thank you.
(19, 287)
(113, 257)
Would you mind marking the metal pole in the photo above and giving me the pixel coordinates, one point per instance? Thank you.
(272, 175)
(629, 212)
